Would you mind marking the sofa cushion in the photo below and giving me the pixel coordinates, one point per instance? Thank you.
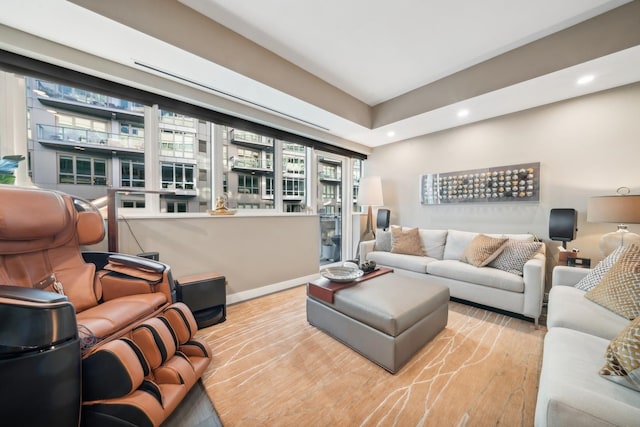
(594, 277)
(457, 242)
(405, 262)
(568, 308)
(619, 289)
(482, 250)
(433, 242)
(485, 276)
(514, 256)
(623, 357)
(406, 241)
(526, 237)
(383, 241)
(571, 393)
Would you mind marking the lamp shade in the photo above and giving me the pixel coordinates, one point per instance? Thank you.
(619, 209)
(622, 210)
(370, 191)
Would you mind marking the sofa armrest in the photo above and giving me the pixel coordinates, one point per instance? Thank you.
(137, 263)
(567, 276)
(534, 283)
(124, 266)
(366, 247)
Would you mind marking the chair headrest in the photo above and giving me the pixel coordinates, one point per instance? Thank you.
(31, 214)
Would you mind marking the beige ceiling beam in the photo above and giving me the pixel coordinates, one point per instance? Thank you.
(183, 27)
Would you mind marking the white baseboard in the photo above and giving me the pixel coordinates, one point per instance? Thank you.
(269, 289)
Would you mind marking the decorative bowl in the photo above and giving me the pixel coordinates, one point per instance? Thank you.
(341, 274)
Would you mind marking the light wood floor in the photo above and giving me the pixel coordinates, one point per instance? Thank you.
(271, 368)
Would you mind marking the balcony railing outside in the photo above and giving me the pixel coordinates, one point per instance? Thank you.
(293, 148)
(258, 164)
(330, 176)
(88, 136)
(251, 138)
(67, 93)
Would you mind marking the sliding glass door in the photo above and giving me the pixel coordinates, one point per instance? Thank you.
(330, 206)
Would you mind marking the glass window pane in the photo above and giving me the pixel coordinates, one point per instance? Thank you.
(99, 168)
(83, 166)
(66, 164)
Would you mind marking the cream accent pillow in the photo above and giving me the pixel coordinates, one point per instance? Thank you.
(483, 249)
(406, 241)
(619, 289)
(623, 357)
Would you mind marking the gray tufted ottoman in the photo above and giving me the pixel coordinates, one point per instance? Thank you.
(387, 319)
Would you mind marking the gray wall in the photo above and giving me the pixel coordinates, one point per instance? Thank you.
(586, 147)
(269, 252)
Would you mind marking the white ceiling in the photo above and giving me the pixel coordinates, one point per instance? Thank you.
(374, 50)
(378, 49)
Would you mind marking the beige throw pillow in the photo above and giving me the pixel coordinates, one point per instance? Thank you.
(619, 289)
(483, 249)
(406, 242)
(623, 357)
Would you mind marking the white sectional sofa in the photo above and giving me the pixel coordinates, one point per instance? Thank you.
(571, 390)
(493, 287)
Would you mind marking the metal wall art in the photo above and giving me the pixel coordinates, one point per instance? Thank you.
(514, 183)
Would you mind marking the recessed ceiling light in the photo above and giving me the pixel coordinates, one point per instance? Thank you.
(585, 79)
(391, 133)
(463, 113)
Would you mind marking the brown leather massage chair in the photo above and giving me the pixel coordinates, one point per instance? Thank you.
(87, 338)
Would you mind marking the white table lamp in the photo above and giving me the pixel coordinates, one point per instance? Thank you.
(370, 194)
(621, 209)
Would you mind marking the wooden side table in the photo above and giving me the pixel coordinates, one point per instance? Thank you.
(205, 295)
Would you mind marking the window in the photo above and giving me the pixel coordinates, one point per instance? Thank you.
(328, 191)
(81, 170)
(269, 190)
(94, 124)
(293, 187)
(138, 204)
(132, 129)
(178, 176)
(176, 206)
(132, 173)
(248, 184)
(177, 143)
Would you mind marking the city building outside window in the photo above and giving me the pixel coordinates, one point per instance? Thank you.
(132, 173)
(248, 184)
(137, 204)
(178, 176)
(177, 143)
(81, 170)
(176, 206)
(252, 176)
